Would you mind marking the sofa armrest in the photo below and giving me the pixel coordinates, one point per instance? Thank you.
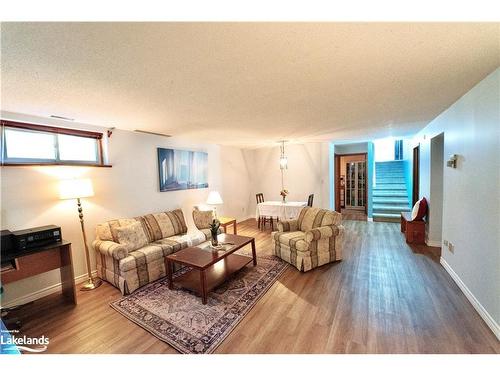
(288, 226)
(319, 233)
(110, 248)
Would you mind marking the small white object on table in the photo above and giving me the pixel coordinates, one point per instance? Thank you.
(284, 211)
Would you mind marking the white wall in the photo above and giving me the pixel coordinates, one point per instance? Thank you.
(351, 148)
(471, 195)
(384, 149)
(307, 173)
(29, 195)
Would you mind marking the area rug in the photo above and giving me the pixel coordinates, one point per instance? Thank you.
(179, 318)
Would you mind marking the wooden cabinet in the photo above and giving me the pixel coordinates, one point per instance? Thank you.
(342, 191)
(355, 185)
(44, 259)
(414, 230)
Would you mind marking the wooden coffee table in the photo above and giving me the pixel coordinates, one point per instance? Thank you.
(210, 267)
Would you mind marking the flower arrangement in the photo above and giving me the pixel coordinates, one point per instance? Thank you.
(284, 193)
(214, 229)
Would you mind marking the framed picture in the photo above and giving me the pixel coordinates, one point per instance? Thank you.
(181, 169)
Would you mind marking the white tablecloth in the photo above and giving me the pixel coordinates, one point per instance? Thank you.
(288, 210)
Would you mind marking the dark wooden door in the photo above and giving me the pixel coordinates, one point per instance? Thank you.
(416, 174)
(337, 182)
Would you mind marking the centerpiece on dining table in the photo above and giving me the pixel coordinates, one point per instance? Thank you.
(283, 194)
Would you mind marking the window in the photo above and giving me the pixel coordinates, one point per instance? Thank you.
(37, 144)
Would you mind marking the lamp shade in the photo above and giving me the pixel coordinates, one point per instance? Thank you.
(283, 162)
(214, 198)
(75, 188)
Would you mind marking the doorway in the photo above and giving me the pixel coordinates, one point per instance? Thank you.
(435, 211)
(351, 185)
(416, 175)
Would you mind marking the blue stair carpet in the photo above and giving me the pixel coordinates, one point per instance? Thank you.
(390, 196)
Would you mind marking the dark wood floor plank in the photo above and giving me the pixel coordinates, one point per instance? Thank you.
(383, 297)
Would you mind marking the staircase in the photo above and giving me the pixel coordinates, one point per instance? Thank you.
(390, 196)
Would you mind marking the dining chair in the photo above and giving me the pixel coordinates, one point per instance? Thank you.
(259, 197)
(310, 200)
(261, 220)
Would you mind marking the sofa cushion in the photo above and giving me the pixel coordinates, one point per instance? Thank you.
(294, 240)
(163, 224)
(132, 236)
(310, 218)
(331, 218)
(107, 231)
(176, 243)
(141, 257)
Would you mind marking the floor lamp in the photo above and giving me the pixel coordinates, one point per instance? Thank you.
(76, 189)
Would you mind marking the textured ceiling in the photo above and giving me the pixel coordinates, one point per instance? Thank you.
(245, 84)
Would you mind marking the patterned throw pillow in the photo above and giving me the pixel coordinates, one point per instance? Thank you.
(131, 236)
(419, 210)
(107, 231)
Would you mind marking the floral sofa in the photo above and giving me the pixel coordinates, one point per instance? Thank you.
(131, 252)
(313, 239)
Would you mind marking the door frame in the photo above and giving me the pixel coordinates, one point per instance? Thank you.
(416, 175)
(336, 158)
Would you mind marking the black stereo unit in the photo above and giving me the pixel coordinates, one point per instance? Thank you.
(36, 237)
(6, 244)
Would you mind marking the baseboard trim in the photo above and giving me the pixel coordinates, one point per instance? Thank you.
(43, 292)
(490, 322)
(433, 243)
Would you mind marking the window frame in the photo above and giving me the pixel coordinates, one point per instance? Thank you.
(35, 128)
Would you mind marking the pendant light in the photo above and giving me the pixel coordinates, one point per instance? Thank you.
(283, 158)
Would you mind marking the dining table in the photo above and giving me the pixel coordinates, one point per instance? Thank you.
(280, 209)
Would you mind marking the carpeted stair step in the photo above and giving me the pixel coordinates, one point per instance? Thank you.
(389, 186)
(390, 171)
(391, 181)
(391, 208)
(391, 200)
(390, 178)
(395, 218)
(389, 174)
(390, 193)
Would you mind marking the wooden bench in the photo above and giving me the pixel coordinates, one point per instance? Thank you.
(414, 230)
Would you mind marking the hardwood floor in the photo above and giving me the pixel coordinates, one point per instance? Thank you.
(382, 298)
(349, 214)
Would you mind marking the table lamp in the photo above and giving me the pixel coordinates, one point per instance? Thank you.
(76, 189)
(214, 199)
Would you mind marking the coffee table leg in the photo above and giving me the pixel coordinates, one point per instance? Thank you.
(203, 281)
(234, 227)
(169, 274)
(254, 254)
